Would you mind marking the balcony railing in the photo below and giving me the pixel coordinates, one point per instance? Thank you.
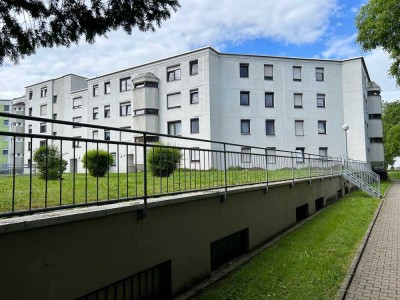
(202, 165)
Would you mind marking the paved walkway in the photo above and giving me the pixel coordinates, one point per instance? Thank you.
(378, 273)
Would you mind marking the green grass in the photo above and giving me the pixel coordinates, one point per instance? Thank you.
(394, 174)
(309, 263)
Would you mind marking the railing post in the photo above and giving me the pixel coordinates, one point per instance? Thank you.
(291, 153)
(322, 165)
(266, 165)
(225, 174)
(145, 174)
(309, 167)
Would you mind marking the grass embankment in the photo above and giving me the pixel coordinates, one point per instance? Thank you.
(309, 263)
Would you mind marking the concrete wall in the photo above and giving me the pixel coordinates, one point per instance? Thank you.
(64, 255)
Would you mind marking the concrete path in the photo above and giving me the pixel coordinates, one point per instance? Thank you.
(378, 273)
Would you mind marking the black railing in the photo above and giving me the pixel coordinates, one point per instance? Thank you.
(197, 165)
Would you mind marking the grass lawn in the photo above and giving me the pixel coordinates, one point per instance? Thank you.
(394, 174)
(309, 263)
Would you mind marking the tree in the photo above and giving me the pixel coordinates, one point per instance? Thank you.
(28, 25)
(378, 24)
(163, 161)
(391, 121)
(49, 162)
(97, 162)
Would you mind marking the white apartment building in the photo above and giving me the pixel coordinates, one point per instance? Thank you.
(292, 104)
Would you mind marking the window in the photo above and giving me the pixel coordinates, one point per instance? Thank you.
(300, 154)
(296, 73)
(95, 134)
(270, 127)
(146, 111)
(320, 100)
(54, 116)
(107, 87)
(298, 100)
(319, 74)
(323, 151)
(77, 102)
(30, 111)
(299, 127)
(43, 92)
(43, 127)
(174, 128)
(271, 155)
(6, 122)
(194, 67)
(194, 125)
(173, 73)
(5, 151)
(376, 140)
(375, 116)
(321, 127)
(107, 111)
(194, 96)
(29, 146)
(95, 90)
(174, 100)
(268, 72)
(95, 113)
(245, 126)
(43, 110)
(29, 128)
(107, 135)
(77, 120)
(244, 70)
(114, 156)
(246, 155)
(269, 99)
(125, 109)
(125, 84)
(244, 98)
(55, 99)
(195, 155)
(42, 143)
(124, 135)
(6, 108)
(76, 143)
(30, 95)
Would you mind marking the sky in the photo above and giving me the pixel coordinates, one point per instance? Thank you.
(295, 28)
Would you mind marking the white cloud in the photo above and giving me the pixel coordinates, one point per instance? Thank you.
(197, 23)
(354, 9)
(341, 48)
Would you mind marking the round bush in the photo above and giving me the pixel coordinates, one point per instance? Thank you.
(51, 168)
(97, 162)
(163, 161)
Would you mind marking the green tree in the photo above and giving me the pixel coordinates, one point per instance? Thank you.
(378, 24)
(28, 25)
(163, 161)
(392, 144)
(49, 162)
(391, 120)
(97, 162)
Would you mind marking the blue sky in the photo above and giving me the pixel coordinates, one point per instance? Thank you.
(296, 28)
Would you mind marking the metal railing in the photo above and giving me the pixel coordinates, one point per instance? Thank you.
(8, 169)
(201, 165)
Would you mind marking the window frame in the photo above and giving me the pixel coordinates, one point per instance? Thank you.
(174, 123)
(323, 122)
(246, 70)
(74, 120)
(243, 122)
(173, 94)
(302, 127)
(272, 68)
(270, 121)
(244, 93)
(107, 110)
(107, 135)
(192, 127)
(192, 93)
(193, 156)
(273, 99)
(318, 72)
(321, 96)
(294, 100)
(43, 127)
(193, 63)
(245, 157)
(302, 157)
(125, 104)
(95, 113)
(124, 84)
(326, 151)
(43, 92)
(107, 87)
(176, 71)
(95, 90)
(294, 74)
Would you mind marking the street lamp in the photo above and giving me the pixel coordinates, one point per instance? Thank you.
(345, 127)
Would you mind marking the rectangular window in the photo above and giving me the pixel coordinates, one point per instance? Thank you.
(300, 154)
(270, 127)
(43, 92)
(194, 125)
(107, 87)
(268, 72)
(43, 110)
(29, 128)
(195, 155)
(174, 128)
(320, 100)
(174, 100)
(29, 146)
(95, 90)
(76, 143)
(114, 156)
(43, 127)
(30, 111)
(269, 99)
(77, 120)
(271, 155)
(107, 111)
(173, 73)
(55, 99)
(54, 116)
(296, 73)
(194, 67)
(42, 143)
(245, 126)
(244, 70)
(5, 151)
(146, 111)
(194, 96)
(321, 127)
(125, 84)
(95, 134)
(244, 98)
(246, 155)
(125, 109)
(319, 74)
(95, 113)
(6, 108)
(323, 151)
(77, 102)
(6, 122)
(30, 95)
(298, 100)
(299, 127)
(107, 135)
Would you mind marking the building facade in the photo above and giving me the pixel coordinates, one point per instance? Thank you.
(283, 103)
(5, 106)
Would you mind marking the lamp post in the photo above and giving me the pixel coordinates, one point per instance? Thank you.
(345, 127)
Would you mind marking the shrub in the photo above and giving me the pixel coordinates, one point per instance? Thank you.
(51, 168)
(163, 161)
(97, 162)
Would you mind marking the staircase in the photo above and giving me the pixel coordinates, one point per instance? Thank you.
(359, 174)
